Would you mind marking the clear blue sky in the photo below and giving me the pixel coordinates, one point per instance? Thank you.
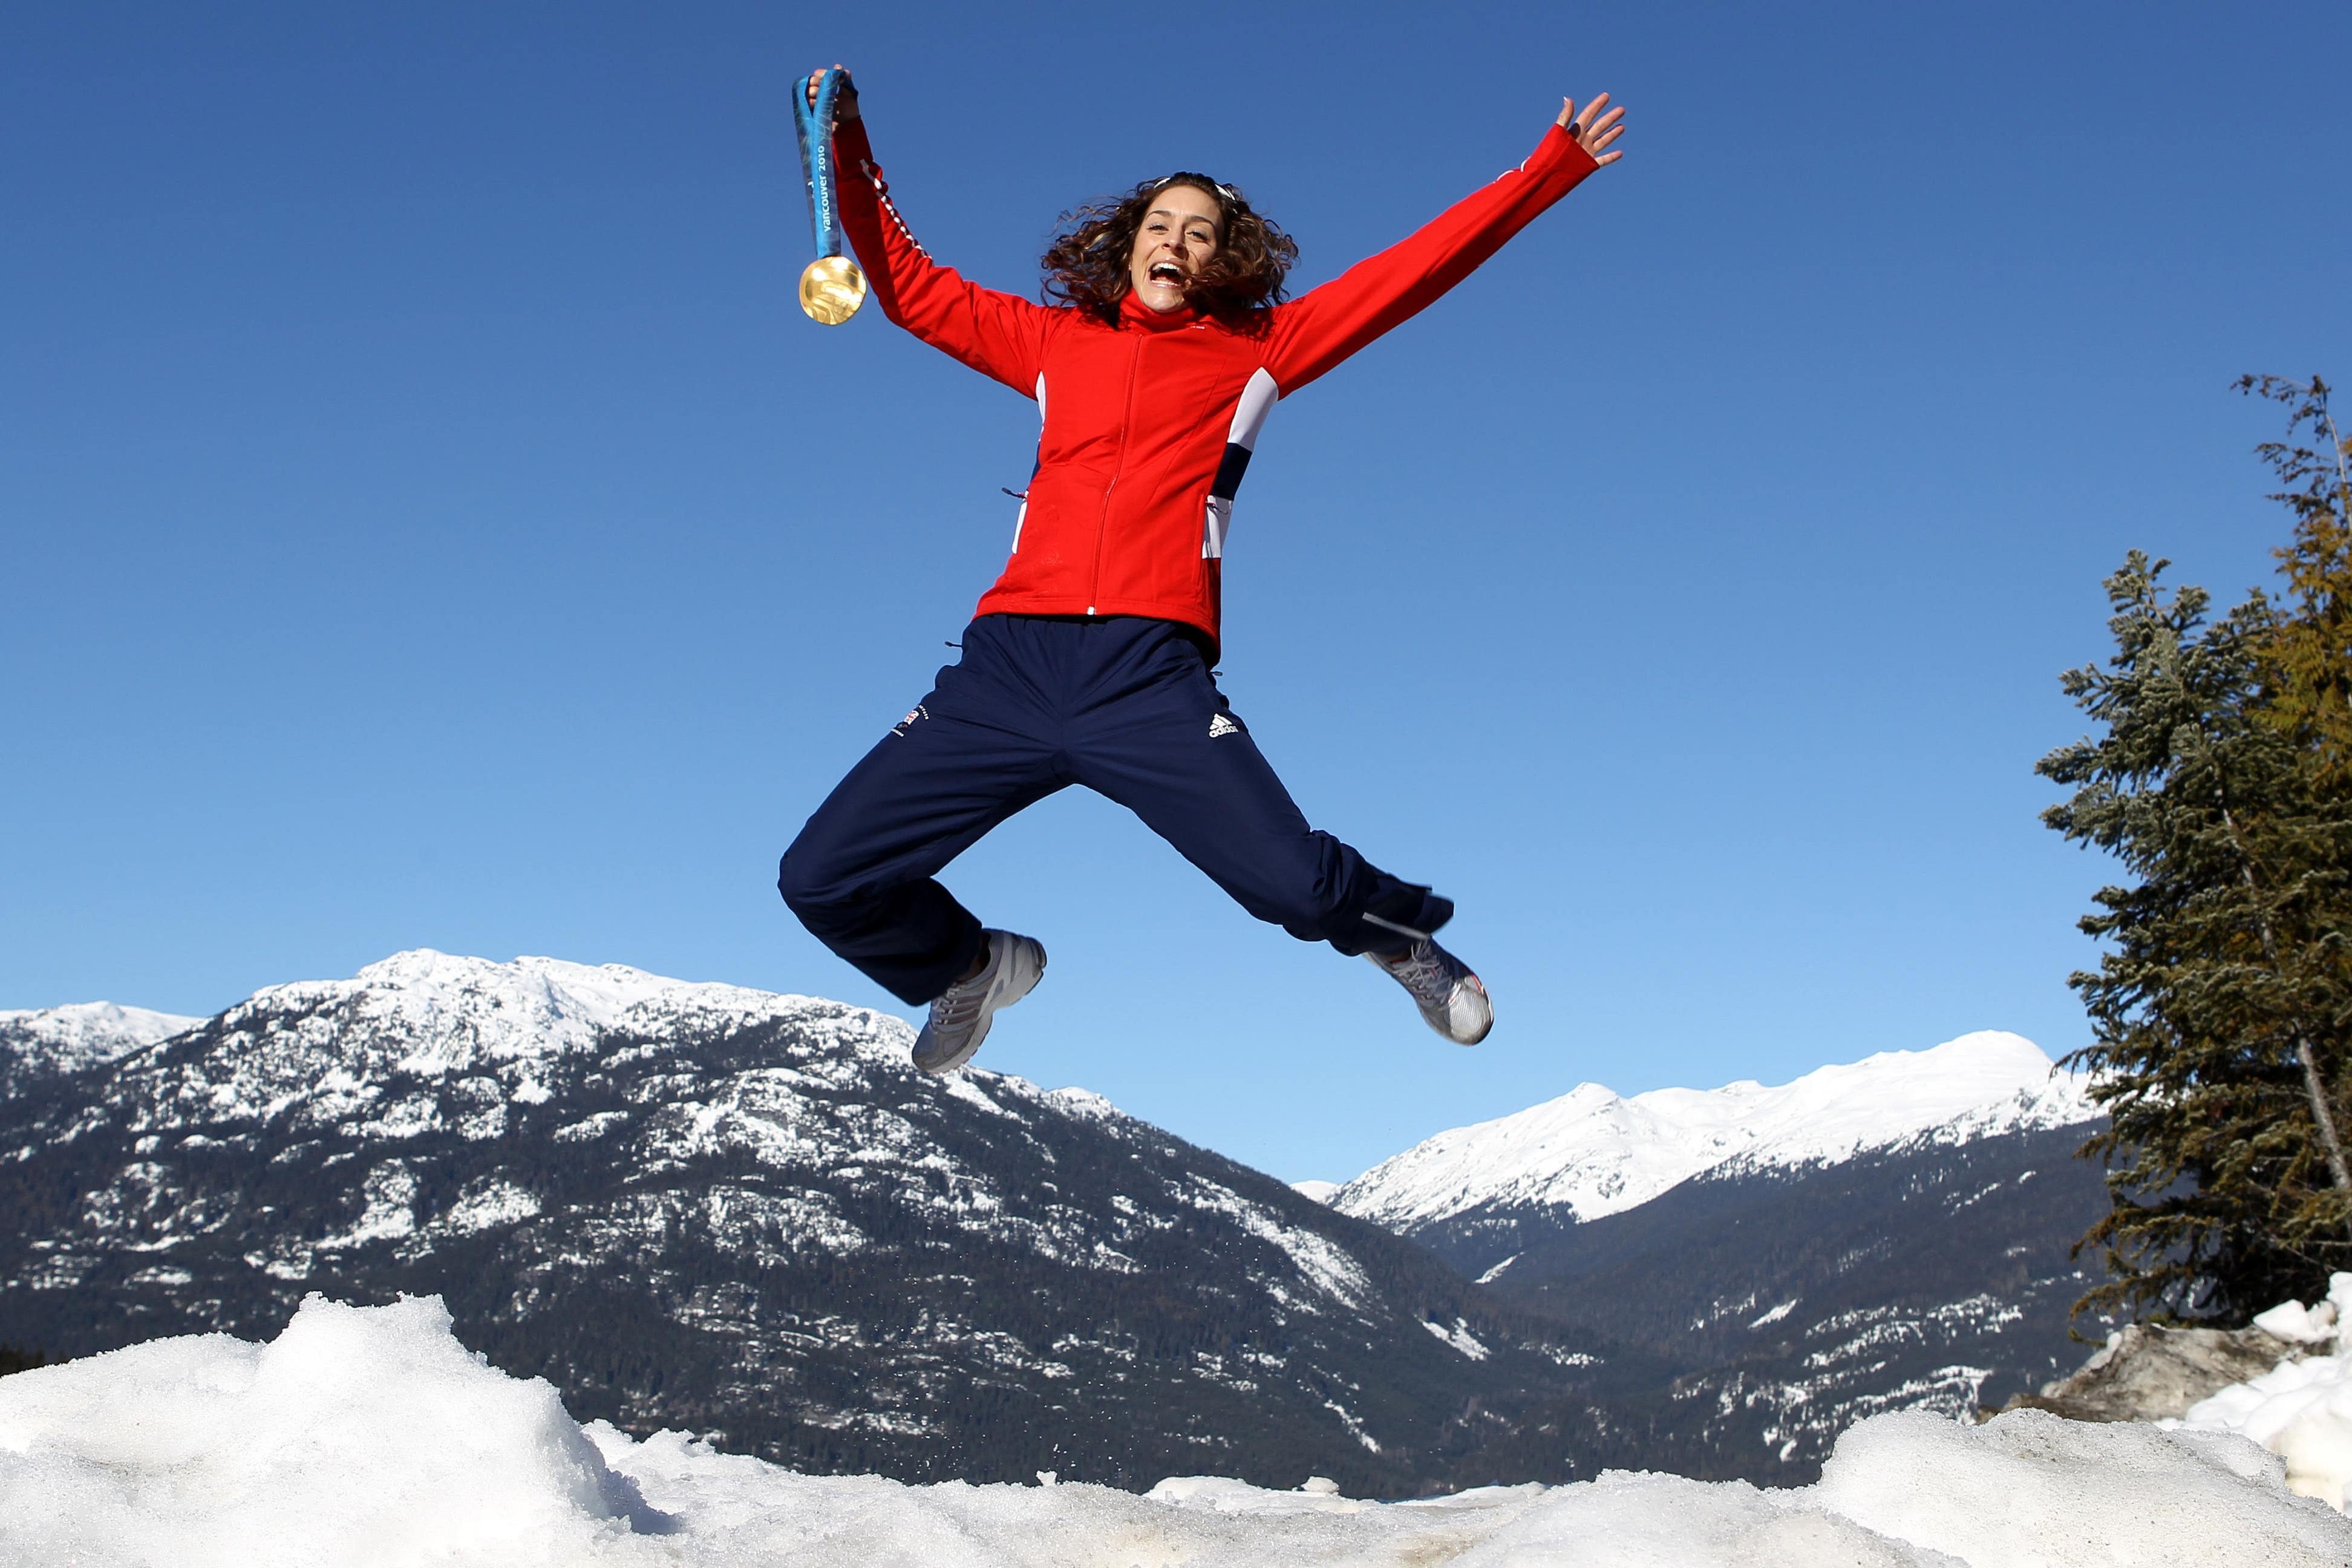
(429, 520)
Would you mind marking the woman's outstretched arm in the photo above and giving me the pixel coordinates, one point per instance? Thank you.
(999, 335)
(1314, 331)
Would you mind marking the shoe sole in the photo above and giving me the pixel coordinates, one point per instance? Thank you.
(1440, 1024)
(1485, 1029)
(1018, 978)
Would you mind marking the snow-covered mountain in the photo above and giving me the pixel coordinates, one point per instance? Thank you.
(1766, 1266)
(1594, 1152)
(745, 1214)
(36, 1043)
(742, 1214)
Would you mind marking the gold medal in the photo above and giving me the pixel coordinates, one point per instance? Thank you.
(831, 290)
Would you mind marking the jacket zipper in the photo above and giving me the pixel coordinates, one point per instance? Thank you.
(1126, 426)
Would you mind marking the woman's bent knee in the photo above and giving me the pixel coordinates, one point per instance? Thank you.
(810, 889)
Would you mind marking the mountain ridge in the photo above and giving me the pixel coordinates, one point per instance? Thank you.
(746, 1215)
(742, 1213)
(38, 1043)
(1594, 1152)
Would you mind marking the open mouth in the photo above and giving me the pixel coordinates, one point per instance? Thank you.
(1167, 272)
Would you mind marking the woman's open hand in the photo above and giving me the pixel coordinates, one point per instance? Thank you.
(1593, 129)
(844, 102)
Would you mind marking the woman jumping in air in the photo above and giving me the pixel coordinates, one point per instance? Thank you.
(1089, 660)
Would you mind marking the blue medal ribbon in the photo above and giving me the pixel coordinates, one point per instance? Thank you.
(815, 122)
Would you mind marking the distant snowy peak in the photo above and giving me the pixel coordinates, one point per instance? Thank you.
(1594, 1152)
(330, 1052)
(98, 1031)
(462, 1012)
(534, 994)
(36, 1042)
(375, 1057)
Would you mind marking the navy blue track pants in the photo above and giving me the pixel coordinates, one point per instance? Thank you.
(1125, 706)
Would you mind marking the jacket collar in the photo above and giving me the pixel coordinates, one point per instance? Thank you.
(1133, 313)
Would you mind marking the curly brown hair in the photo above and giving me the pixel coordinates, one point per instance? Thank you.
(1086, 265)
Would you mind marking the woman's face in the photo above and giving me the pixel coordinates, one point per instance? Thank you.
(1179, 234)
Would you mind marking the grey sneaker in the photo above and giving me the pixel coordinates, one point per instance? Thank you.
(959, 1019)
(1451, 1000)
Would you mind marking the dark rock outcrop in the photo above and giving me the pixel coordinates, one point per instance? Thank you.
(2145, 1373)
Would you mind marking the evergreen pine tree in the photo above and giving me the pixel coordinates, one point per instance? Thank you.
(2220, 1009)
(2307, 663)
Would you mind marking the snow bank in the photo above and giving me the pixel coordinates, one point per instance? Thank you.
(371, 1436)
(358, 1435)
(2299, 1410)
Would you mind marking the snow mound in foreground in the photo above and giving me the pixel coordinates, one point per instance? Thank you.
(2299, 1410)
(358, 1433)
(369, 1436)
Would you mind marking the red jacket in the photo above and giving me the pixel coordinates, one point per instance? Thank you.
(1149, 423)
